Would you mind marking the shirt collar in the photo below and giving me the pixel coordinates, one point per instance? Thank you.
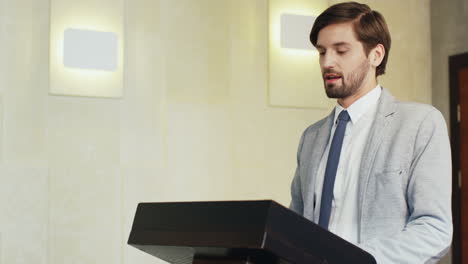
(359, 108)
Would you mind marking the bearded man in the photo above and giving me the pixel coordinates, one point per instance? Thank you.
(376, 171)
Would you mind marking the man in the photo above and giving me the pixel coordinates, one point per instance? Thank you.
(376, 171)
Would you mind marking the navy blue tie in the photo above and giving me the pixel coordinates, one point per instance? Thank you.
(330, 171)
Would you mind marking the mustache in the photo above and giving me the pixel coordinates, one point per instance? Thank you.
(331, 71)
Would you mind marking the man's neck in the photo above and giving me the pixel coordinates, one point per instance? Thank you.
(363, 90)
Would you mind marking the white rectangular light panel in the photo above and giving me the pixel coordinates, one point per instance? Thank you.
(88, 49)
(295, 31)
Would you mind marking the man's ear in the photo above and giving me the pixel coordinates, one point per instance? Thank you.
(376, 55)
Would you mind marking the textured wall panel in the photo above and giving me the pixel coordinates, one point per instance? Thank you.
(85, 215)
(197, 50)
(23, 221)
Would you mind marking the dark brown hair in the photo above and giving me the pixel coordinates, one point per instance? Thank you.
(369, 26)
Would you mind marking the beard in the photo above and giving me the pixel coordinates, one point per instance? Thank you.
(350, 85)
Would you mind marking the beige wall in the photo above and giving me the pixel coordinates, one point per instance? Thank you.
(449, 37)
(194, 123)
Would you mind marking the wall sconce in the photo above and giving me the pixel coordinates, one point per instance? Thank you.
(295, 30)
(88, 49)
(86, 55)
(294, 75)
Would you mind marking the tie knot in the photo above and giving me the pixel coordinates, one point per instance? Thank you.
(344, 116)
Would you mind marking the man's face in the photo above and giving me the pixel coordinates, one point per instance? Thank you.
(343, 61)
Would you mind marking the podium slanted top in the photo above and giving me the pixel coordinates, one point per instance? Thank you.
(261, 231)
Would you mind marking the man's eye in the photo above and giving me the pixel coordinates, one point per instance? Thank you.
(321, 53)
(341, 52)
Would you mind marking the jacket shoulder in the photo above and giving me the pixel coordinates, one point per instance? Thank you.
(418, 112)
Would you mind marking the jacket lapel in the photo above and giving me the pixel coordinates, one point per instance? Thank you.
(319, 144)
(385, 109)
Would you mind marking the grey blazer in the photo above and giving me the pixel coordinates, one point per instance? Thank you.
(404, 182)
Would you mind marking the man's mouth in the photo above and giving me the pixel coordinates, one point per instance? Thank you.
(331, 77)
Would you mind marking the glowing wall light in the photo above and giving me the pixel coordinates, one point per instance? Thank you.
(295, 31)
(86, 56)
(89, 49)
(295, 78)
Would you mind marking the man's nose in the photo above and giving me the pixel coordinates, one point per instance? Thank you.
(328, 61)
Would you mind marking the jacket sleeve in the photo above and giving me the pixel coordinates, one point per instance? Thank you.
(297, 204)
(428, 233)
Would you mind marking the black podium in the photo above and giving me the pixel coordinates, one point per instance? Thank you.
(235, 232)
